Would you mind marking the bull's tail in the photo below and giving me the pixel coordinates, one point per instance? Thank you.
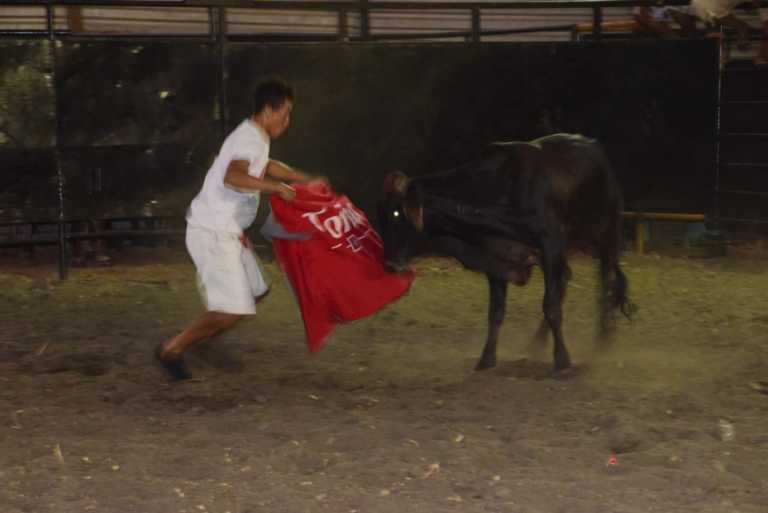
(620, 294)
(614, 283)
(614, 288)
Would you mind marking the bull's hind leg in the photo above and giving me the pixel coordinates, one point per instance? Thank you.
(496, 310)
(539, 341)
(555, 276)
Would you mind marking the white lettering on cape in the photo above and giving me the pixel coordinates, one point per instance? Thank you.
(336, 225)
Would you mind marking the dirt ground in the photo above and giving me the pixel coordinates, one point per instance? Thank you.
(390, 416)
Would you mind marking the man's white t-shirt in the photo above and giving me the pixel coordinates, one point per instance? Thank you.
(220, 207)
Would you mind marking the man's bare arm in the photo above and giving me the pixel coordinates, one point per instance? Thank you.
(282, 171)
(237, 176)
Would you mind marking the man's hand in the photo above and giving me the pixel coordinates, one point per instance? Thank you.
(324, 179)
(286, 192)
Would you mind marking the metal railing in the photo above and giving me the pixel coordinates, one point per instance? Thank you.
(217, 34)
(343, 9)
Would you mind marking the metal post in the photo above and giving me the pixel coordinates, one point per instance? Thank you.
(365, 20)
(597, 22)
(63, 255)
(475, 24)
(221, 34)
(212, 24)
(720, 71)
(343, 26)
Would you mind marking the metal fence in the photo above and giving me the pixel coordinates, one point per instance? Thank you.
(350, 20)
(219, 24)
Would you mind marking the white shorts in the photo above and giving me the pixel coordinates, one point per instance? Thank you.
(229, 275)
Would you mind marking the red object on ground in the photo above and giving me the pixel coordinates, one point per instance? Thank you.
(337, 273)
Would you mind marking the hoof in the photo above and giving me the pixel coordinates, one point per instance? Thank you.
(562, 364)
(485, 363)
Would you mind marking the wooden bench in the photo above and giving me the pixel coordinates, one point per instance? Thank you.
(640, 226)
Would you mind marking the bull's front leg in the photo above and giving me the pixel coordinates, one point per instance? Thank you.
(555, 276)
(496, 310)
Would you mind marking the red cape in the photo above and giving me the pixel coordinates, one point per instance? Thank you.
(337, 272)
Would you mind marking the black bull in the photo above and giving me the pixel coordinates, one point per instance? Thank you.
(521, 204)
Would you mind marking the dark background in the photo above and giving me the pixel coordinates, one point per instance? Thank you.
(138, 124)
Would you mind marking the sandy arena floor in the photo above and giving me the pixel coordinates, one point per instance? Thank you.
(390, 416)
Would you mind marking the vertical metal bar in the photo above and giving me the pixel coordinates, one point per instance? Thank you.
(343, 25)
(51, 26)
(597, 22)
(719, 99)
(221, 29)
(365, 20)
(212, 24)
(475, 24)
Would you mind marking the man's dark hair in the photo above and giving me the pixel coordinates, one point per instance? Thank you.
(272, 91)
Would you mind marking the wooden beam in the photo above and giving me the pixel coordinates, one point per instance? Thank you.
(662, 216)
(607, 26)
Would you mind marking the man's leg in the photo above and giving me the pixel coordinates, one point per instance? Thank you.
(207, 325)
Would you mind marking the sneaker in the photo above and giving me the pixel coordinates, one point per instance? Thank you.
(174, 366)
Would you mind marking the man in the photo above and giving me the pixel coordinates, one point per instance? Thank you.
(229, 275)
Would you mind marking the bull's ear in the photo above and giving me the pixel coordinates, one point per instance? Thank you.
(396, 183)
(414, 207)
